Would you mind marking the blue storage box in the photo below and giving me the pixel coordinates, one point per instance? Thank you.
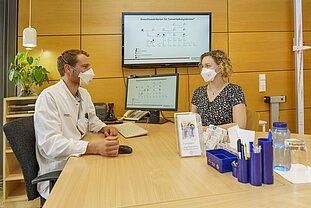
(220, 159)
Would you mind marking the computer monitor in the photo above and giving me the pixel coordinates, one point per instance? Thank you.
(153, 93)
(165, 39)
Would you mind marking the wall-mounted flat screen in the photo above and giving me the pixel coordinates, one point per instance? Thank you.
(164, 39)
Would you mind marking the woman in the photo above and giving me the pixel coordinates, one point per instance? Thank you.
(219, 102)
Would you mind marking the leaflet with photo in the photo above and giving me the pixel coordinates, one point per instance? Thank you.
(189, 134)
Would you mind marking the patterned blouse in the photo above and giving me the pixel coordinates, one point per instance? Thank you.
(218, 111)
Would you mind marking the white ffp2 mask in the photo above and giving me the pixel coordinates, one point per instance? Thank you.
(86, 77)
(208, 74)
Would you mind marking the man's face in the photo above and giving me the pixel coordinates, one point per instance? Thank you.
(82, 65)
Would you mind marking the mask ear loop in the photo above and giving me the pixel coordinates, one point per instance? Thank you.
(74, 69)
(66, 62)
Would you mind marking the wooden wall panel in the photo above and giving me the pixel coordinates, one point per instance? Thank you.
(220, 42)
(277, 83)
(195, 81)
(306, 14)
(307, 88)
(55, 17)
(104, 17)
(105, 54)
(263, 15)
(49, 48)
(265, 51)
(287, 116)
(108, 91)
(183, 97)
(308, 121)
(138, 72)
(307, 53)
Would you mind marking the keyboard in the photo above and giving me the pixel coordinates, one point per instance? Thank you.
(130, 129)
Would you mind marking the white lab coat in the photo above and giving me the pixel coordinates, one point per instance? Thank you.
(60, 122)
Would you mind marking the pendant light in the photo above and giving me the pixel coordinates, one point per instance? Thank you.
(29, 34)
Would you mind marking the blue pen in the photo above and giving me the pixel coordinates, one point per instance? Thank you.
(242, 152)
(239, 147)
(270, 135)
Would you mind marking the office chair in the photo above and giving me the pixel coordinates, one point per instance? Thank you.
(20, 134)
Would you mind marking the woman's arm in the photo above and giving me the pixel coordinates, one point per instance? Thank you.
(239, 117)
(194, 108)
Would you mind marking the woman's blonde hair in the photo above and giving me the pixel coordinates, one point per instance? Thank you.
(220, 59)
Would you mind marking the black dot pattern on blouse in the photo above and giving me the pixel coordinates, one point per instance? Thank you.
(219, 111)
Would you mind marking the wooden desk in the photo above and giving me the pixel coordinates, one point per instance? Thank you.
(155, 176)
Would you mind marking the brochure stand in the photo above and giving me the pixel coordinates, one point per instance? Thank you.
(189, 134)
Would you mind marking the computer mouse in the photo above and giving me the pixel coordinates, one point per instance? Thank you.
(123, 149)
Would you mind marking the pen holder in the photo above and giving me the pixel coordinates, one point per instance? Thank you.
(234, 168)
(267, 160)
(243, 171)
(255, 169)
(251, 147)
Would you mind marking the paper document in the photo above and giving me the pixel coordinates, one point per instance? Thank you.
(297, 174)
(236, 133)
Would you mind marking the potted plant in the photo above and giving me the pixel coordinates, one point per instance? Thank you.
(25, 72)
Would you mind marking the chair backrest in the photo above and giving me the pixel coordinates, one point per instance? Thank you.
(252, 120)
(21, 136)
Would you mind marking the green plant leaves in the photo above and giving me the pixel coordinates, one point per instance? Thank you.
(25, 71)
(20, 55)
(29, 60)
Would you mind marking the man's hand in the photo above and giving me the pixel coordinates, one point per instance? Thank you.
(108, 146)
(109, 131)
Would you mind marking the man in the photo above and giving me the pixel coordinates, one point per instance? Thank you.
(64, 113)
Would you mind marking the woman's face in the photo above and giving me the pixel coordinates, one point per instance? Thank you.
(208, 62)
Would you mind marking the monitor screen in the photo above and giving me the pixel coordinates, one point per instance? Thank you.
(153, 93)
(164, 39)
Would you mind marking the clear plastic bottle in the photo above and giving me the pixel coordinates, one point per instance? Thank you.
(281, 160)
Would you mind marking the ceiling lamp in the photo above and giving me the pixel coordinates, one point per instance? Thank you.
(29, 34)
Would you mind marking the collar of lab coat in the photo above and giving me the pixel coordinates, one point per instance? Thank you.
(78, 97)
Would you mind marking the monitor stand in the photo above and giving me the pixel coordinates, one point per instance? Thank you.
(154, 118)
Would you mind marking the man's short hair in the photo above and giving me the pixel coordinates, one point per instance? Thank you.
(69, 57)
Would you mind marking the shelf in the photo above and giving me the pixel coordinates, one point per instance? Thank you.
(14, 188)
(22, 197)
(19, 115)
(16, 191)
(14, 176)
(11, 166)
(20, 99)
(8, 151)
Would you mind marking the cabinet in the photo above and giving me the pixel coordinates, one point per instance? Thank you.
(14, 189)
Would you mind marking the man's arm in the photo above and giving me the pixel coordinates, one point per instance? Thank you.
(108, 146)
(49, 129)
(109, 131)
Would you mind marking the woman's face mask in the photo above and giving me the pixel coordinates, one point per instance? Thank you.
(208, 74)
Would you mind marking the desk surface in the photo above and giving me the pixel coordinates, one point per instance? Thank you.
(155, 176)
